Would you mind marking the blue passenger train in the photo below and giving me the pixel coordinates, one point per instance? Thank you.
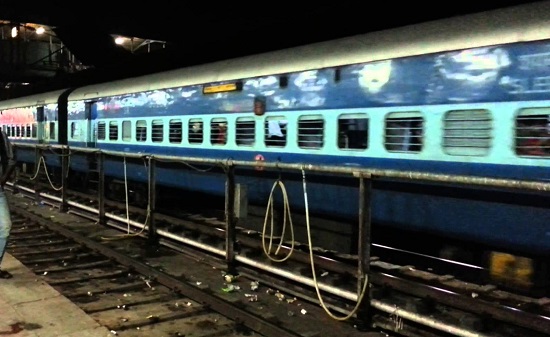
(462, 96)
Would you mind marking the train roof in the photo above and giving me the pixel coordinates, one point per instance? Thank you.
(44, 98)
(521, 23)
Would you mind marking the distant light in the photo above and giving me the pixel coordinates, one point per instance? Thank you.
(40, 30)
(14, 32)
(119, 40)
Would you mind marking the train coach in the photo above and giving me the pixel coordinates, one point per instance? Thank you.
(465, 96)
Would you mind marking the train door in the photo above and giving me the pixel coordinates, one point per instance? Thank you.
(48, 126)
(40, 124)
(89, 129)
(90, 114)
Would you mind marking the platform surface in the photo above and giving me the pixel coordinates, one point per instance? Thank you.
(29, 307)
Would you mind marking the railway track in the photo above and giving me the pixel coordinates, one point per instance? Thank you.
(125, 286)
(403, 300)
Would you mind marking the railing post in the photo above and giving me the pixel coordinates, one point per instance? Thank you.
(37, 160)
(230, 220)
(364, 248)
(152, 203)
(64, 178)
(101, 188)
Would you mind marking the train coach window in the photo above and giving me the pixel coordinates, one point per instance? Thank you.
(141, 131)
(157, 131)
(34, 129)
(467, 132)
(533, 132)
(275, 131)
(100, 130)
(52, 131)
(311, 132)
(12, 133)
(28, 133)
(175, 131)
(126, 131)
(245, 131)
(353, 131)
(113, 130)
(218, 131)
(195, 128)
(404, 132)
(73, 130)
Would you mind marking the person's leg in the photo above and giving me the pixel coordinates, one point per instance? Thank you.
(5, 227)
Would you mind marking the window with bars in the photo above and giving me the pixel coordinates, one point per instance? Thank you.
(157, 130)
(404, 132)
(245, 131)
(101, 130)
(195, 131)
(141, 131)
(353, 131)
(175, 131)
(275, 131)
(533, 132)
(311, 132)
(218, 131)
(467, 132)
(113, 130)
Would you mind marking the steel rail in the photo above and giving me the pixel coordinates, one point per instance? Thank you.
(225, 308)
